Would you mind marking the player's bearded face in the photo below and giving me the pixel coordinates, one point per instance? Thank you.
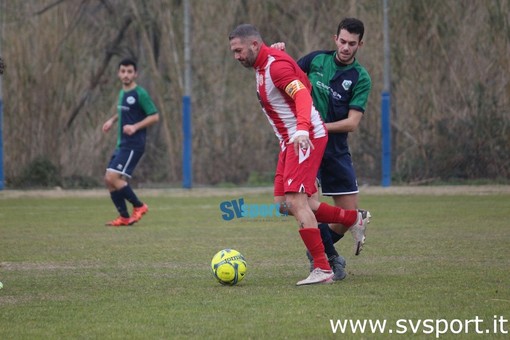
(249, 60)
(243, 52)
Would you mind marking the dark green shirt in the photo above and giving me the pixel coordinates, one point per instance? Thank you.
(133, 106)
(336, 88)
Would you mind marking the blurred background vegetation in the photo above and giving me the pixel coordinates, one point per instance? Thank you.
(450, 87)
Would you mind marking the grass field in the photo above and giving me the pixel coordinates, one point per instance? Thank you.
(428, 258)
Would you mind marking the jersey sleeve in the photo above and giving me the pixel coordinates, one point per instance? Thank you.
(146, 102)
(305, 62)
(285, 77)
(361, 92)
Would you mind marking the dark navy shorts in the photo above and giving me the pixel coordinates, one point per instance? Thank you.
(337, 176)
(124, 161)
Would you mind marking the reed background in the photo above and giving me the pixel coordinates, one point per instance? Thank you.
(450, 86)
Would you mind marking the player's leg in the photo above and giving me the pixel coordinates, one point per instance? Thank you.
(336, 261)
(297, 180)
(121, 167)
(113, 179)
(139, 208)
(356, 220)
(349, 202)
(338, 180)
(310, 234)
(286, 208)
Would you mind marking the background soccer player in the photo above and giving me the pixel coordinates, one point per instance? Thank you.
(135, 112)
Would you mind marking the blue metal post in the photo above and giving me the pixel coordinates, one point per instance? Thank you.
(386, 102)
(186, 145)
(1, 142)
(386, 139)
(187, 168)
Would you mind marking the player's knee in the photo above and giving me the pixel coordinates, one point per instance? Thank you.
(109, 180)
(284, 208)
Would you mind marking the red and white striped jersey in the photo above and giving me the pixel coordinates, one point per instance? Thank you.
(278, 77)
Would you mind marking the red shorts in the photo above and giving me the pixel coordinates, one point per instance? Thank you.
(292, 176)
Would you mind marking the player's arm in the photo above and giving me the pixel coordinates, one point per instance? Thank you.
(285, 77)
(357, 107)
(304, 103)
(349, 124)
(152, 115)
(146, 122)
(110, 122)
(303, 62)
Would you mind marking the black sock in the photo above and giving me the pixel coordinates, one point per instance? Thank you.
(130, 195)
(335, 237)
(329, 248)
(119, 202)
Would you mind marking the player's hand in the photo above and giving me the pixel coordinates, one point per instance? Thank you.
(279, 46)
(107, 125)
(303, 143)
(129, 129)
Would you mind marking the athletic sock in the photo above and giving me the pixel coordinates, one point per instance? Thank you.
(130, 195)
(335, 237)
(329, 248)
(119, 202)
(329, 214)
(312, 239)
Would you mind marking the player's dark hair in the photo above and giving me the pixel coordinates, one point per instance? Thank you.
(353, 26)
(245, 31)
(128, 62)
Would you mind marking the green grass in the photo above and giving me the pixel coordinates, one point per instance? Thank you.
(65, 275)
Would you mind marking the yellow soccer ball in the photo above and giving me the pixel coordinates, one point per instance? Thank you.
(228, 266)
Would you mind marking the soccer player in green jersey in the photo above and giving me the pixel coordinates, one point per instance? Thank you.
(340, 90)
(135, 112)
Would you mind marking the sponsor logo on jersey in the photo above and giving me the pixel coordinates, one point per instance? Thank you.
(130, 100)
(326, 88)
(346, 84)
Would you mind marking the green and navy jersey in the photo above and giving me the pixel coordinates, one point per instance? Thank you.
(133, 106)
(336, 88)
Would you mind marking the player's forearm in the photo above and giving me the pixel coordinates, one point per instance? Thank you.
(114, 118)
(350, 124)
(304, 109)
(147, 121)
(340, 126)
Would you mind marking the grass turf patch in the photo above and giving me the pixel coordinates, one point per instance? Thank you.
(65, 275)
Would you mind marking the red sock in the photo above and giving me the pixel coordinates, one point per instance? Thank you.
(313, 242)
(330, 214)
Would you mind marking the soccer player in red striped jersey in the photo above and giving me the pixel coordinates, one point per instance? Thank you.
(283, 90)
(340, 91)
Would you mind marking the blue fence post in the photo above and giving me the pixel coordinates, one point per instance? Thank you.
(187, 144)
(1, 142)
(386, 139)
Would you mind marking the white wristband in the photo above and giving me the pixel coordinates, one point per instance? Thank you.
(299, 133)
